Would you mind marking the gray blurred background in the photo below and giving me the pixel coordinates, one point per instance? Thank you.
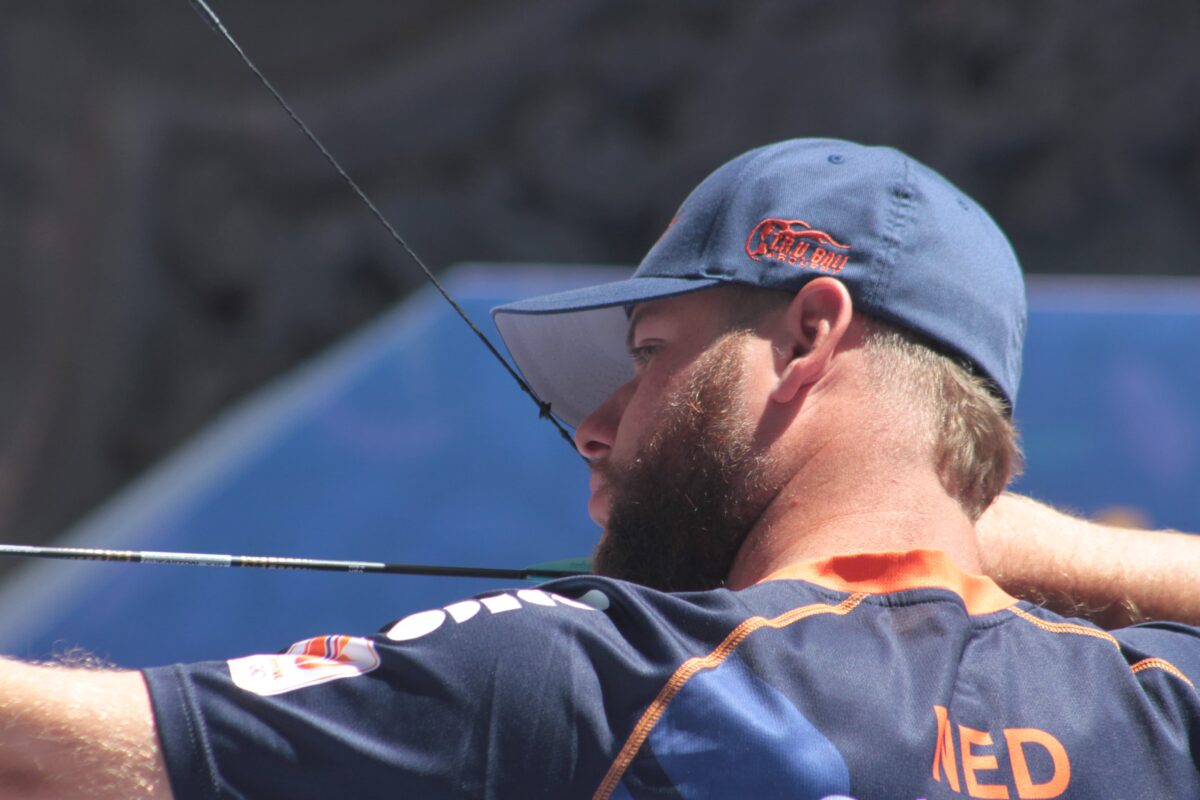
(168, 241)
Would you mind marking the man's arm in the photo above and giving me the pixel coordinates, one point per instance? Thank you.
(75, 733)
(1113, 576)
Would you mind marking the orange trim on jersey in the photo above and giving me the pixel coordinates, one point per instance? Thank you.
(689, 668)
(887, 573)
(1083, 630)
(1066, 627)
(1164, 665)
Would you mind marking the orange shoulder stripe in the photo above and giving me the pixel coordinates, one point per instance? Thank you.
(694, 665)
(1164, 665)
(1082, 630)
(1066, 627)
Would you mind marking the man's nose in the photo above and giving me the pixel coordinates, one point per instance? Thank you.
(595, 435)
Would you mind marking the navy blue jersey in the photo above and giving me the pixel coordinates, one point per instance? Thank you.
(874, 677)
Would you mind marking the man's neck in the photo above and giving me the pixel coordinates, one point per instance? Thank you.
(857, 474)
(820, 514)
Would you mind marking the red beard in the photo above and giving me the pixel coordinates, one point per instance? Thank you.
(681, 510)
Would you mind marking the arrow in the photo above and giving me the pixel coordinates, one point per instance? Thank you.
(548, 570)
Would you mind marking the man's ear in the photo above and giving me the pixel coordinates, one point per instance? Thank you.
(809, 333)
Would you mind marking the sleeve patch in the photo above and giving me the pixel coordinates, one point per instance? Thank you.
(307, 663)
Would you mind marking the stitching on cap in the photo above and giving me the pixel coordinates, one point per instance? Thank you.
(719, 215)
(897, 216)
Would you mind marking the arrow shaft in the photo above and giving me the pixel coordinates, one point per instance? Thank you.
(278, 562)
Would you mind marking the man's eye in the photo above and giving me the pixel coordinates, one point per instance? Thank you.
(642, 354)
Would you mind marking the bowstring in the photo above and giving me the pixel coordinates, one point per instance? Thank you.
(214, 22)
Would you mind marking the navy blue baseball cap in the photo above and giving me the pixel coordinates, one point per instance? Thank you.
(911, 249)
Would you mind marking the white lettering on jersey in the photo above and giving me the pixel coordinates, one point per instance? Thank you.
(536, 597)
(500, 603)
(423, 623)
(414, 626)
(464, 610)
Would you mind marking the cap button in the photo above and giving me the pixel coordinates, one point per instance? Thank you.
(836, 158)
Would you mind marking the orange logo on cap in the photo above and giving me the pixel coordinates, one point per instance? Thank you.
(792, 240)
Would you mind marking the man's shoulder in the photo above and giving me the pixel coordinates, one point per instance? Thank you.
(506, 613)
(586, 609)
(1169, 647)
(592, 619)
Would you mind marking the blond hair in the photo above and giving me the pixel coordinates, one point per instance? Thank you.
(975, 445)
(967, 426)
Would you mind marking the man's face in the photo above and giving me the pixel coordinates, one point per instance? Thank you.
(677, 479)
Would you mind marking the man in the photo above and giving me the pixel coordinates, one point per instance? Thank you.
(825, 351)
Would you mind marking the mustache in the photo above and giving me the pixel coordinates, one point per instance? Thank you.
(603, 469)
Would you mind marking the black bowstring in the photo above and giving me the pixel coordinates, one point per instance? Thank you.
(544, 411)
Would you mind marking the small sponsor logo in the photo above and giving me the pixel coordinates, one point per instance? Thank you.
(795, 242)
(307, 663)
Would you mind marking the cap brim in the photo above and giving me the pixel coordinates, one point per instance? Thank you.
(570, 347)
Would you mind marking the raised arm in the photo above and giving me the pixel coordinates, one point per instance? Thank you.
(1113, 576)
(77, 733)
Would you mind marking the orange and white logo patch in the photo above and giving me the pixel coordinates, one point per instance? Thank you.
(306, 663)
(795, 242)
